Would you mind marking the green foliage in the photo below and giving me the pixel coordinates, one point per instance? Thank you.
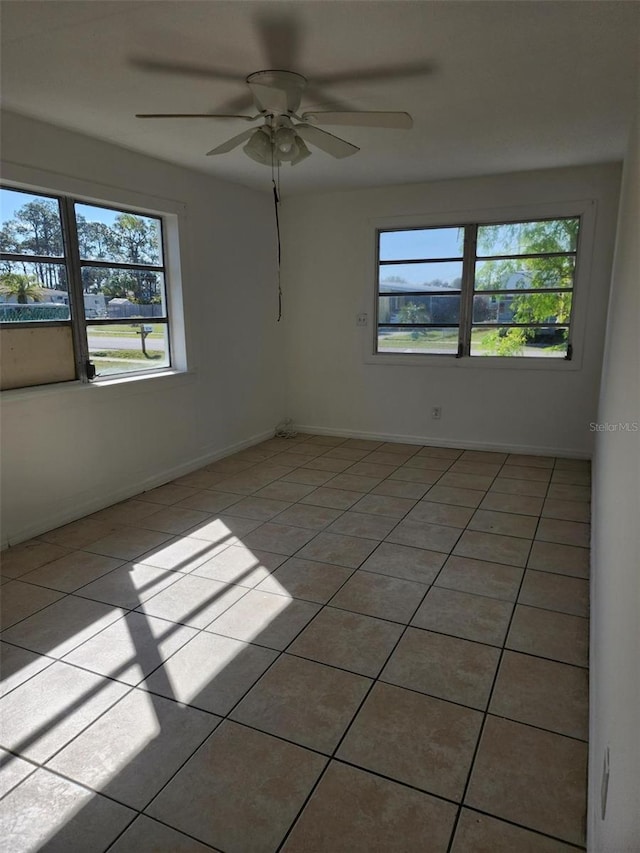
(537, 274)
(36, 230)
(523, 238)
(540, 307)
(128, 354)
(510, 343)
(26, 288)
(412, 313)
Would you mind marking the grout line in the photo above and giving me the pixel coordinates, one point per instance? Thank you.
(162, 823)
(485, 714)
(489, 700)
(348, 728)
(227, 716)
(506, 820)
(322, 606)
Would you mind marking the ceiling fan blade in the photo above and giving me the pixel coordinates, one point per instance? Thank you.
(186, 68)
(317, 100)
(361, 118)
(237, 104)
(232, 143)
(326, 142)
(194, 115)
(381, 73)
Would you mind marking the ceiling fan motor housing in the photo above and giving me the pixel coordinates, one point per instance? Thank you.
(276, 91)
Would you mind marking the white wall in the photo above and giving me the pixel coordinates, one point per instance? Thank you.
(68, 449)
(328, 245)
(615, 566)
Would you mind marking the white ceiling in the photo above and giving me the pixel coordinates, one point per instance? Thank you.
(493, 86)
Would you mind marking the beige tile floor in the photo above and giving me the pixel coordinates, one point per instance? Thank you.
(316, 644)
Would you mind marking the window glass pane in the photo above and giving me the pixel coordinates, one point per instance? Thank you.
(525, 274)
(115, 235)
(431, 276)
(436, 341)
(550, 342)
(419, 309)
(127, 347)
(118, 293)
(523, 238)
(33, 292)
(522, 308)
(421, 243)
(30, 224)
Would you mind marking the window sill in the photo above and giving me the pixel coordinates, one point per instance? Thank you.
(473, 362)
(112, 381)
(115, 386)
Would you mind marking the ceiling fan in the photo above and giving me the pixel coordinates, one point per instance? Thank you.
(284, 133)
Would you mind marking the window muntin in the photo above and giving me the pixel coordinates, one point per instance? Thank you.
(110, 284)
(513, 288)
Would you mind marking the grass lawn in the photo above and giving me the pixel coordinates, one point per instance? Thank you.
(444, 343)
(430, 342)
(125, 330)
(128, 355)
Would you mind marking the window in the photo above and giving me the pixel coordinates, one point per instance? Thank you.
(499, 289)
(89, 275)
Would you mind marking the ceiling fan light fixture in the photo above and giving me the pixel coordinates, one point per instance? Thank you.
(259, 147)
(285, 142)
(282, 146)
(302, 152)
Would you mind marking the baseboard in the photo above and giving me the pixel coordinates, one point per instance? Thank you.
(87, 502)
(529, 449)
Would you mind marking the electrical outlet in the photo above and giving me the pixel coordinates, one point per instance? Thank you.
(436, 413)
(361, 320)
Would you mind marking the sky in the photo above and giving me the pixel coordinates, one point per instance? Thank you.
(421, 243)
(12, 200)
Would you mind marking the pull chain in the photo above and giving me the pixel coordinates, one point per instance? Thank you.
(276, 202)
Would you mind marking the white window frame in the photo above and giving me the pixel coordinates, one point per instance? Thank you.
(173, 216)
(583, 208)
